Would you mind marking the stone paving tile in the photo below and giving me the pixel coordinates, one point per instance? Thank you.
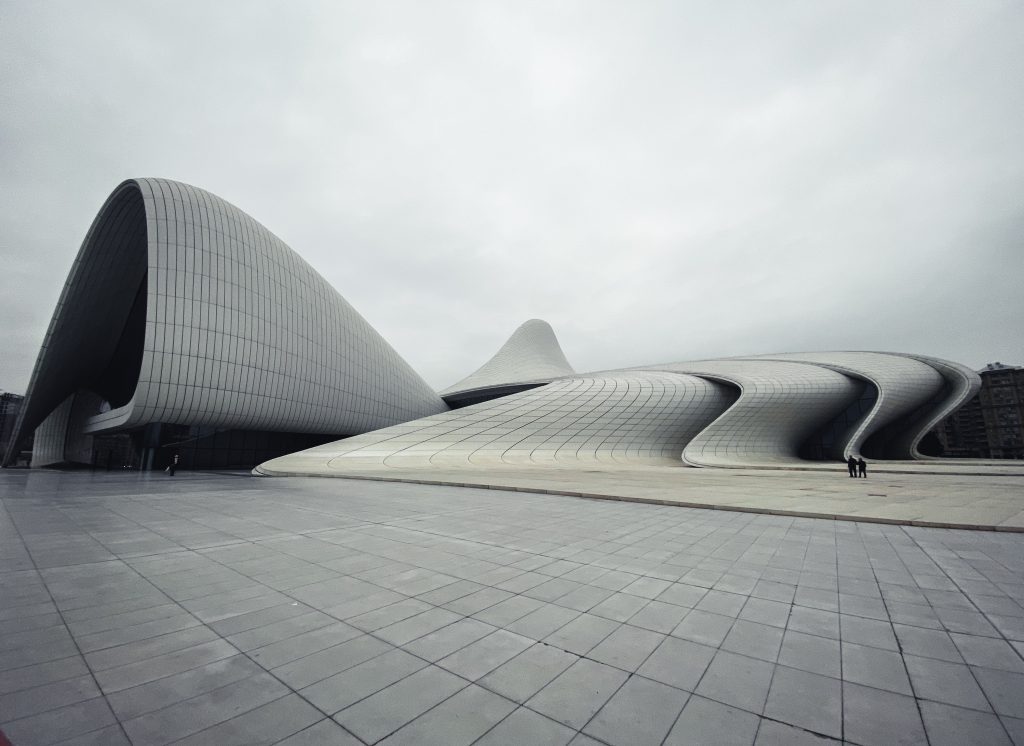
(814, 622)
(619, 607)
(458, 721)
(811, 653)
(578, 693)
(876, 718)
(299, 646)
(383, 713)
(1005, 690)
(779, 734)
(448, 639)
(627, 647)
(863, 631)
(806, 700)
(704, 627)
(27, 702)
(659, 616)
(988, 652)
(369, 677)
(527, 727)
(927, 643)
(954, 726)
(158, 666)
(132, 702)
(276, 631)
(198, 713)
(737, 680)
(540, 623)
(267, 724)
(61, 724)
(322, 664)
(529, 672)
(678, 663)
(582, 634)
(881, 669)
(950, 683)
(483, 656)
(754, 640)
(39, 674)
(348, 591)
(641, 712)
(705, 721)
(323, 732)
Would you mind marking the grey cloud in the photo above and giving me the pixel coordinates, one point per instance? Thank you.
(658, 180)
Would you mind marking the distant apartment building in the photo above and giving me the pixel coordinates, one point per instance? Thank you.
(10, 405)
(991, 425)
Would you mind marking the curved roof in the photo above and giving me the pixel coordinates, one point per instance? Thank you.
(961, 385)
(737, 412)
(180, 308)
(781, 404)
(531, 355)
(640, 417)
(903, 384)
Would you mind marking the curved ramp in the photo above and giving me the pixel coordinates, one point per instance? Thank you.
(641, 417)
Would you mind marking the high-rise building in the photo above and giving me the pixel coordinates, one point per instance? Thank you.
(991, 425)
(10, 405)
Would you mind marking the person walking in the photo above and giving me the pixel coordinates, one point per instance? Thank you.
(862, 467)
(851, 465)
(173, 467)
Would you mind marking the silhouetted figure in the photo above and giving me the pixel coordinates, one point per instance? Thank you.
(862, 467)
(174, 465)
(851, 465)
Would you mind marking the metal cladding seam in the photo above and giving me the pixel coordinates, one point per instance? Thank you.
(962, 384)
(781, 404)
(903, 385)
(240, 332)
(640, 417)
(531, 355)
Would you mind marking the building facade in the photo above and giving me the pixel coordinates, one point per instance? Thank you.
(991, 425)
(187, 328)
(10, 405)
(181, 311)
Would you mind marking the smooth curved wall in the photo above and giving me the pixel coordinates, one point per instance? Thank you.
(961, 385)
(531, 355)
(780, 406)
(904, 385)
(239, 332)
(629, 418)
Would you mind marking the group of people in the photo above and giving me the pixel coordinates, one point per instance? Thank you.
(858, 467)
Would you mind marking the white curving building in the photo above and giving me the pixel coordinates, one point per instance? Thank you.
(187, 327)
(183, 312)
(766, 411)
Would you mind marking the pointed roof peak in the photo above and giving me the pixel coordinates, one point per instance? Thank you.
(531, 355)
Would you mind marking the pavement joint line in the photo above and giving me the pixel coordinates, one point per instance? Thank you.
(677, 503)
(516, 545)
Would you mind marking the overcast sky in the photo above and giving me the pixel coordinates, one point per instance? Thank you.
(659, 181)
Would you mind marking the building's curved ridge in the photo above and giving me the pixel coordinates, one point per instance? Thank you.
(531, 355)
(240, 332)
(182, 311)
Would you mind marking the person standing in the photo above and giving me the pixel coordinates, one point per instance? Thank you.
(174, 465)
(862, 467)
(851, 465)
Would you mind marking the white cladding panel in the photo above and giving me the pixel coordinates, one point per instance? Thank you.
(631, 418)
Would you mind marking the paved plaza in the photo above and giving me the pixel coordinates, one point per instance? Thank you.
(228, 609)
(943, 494)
